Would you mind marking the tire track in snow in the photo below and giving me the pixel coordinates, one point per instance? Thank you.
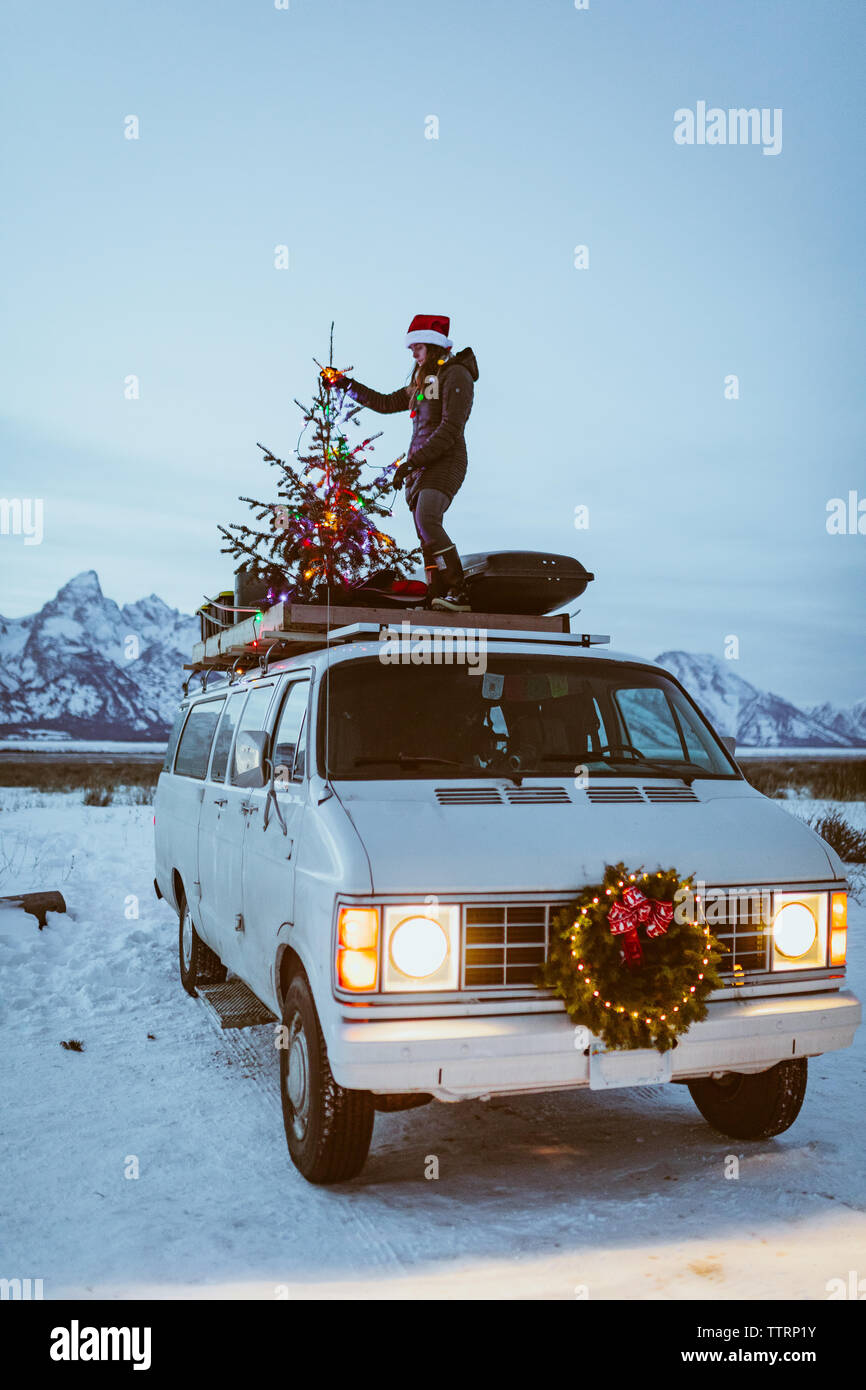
(252, 1049)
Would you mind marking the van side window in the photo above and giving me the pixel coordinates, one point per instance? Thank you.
(197, 737)
(288, 747)
(253, 717)
(173, 738)
(225, 734)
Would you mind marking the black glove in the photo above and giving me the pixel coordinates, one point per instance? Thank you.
(399, 476)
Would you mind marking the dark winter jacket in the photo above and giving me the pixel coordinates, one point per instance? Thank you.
(437, 452)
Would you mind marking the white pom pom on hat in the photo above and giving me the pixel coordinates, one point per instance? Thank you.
(429, 328)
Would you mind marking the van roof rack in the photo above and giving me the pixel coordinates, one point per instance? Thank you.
(290, 629)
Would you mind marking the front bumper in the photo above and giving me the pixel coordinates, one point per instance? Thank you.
(462, 1058)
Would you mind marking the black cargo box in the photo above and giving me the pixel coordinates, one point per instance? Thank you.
(522, 581)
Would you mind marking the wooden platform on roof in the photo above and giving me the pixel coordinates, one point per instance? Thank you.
(300, 627)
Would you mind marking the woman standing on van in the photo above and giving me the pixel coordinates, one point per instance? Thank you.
(439, 399)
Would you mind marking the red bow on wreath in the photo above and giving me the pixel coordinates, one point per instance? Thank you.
(635, 910)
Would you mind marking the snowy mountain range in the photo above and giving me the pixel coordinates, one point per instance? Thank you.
(86, 668)
(758, 718)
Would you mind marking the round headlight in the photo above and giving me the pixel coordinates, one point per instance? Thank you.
(794, 930)
(418, 947)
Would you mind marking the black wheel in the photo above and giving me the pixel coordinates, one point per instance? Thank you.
(328, 1129)
(199, 965)
(755, 1106)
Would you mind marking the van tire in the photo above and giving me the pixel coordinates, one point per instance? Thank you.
(199, 965)
(328, 1129)
(753, 1106)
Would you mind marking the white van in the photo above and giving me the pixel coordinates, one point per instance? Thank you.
(378, 849)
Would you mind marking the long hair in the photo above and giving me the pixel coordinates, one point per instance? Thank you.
(436, 358)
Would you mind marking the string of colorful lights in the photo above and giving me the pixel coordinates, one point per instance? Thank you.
(323, 530)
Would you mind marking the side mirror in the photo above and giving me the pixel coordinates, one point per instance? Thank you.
(250, 758)
(730, 743)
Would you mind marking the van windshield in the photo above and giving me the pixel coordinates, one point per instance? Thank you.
(525, 716)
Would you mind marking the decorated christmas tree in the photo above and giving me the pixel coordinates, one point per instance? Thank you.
(320, 535)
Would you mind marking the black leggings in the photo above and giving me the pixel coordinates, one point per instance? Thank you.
(430, 506)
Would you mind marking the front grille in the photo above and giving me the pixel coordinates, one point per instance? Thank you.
(504, 944)
(740, 923)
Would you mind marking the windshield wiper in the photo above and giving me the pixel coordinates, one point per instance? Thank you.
(411, 759)
(671, 769)
(514, 772)
(586, 757)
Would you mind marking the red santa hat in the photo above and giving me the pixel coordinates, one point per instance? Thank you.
(429, 328)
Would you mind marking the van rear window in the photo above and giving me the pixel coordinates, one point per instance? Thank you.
(197, 737)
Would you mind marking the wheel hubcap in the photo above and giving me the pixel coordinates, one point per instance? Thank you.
(728, 1085)
(297, 1081)
(186, 939)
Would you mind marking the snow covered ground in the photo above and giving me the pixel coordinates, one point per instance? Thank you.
(809, 808)
(818, 752)
(151, 750)
(605, 1195)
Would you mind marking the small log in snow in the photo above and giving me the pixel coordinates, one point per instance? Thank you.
(37, 903)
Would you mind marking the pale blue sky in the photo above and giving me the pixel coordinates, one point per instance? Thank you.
(604, 386)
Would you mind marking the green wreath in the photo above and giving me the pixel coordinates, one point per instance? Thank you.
(637, 976)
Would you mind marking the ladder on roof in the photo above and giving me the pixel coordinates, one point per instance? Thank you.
(289, 629)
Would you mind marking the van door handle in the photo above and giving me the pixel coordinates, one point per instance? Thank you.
(248, 810)
(220, 800)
